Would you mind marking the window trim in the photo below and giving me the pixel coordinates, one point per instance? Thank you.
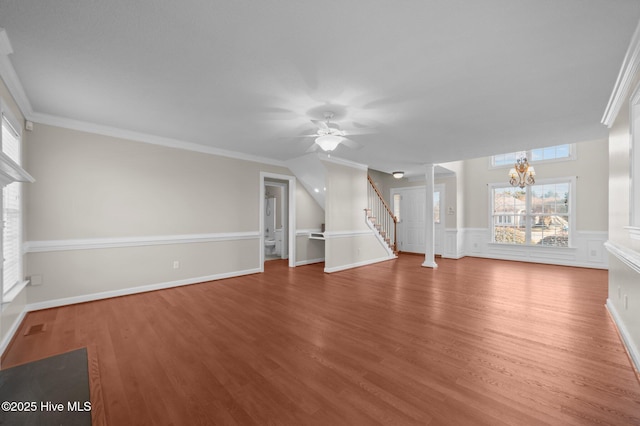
(11, 172)
(573, 155)
(572, 180)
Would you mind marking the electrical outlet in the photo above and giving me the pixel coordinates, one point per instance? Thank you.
(176, 264)
(35, 279)
(626, 302)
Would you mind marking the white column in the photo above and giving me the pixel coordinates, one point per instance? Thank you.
(429, 227)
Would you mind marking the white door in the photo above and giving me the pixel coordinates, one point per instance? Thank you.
(411, 211)
(411, 226)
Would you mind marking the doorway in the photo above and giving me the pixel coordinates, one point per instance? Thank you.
(276, 229)
(283, 228)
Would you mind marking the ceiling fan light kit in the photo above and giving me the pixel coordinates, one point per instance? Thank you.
(328, 142)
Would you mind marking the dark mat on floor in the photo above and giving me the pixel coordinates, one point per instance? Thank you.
(52, 391)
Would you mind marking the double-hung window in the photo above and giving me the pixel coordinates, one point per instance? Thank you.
(11, 209)
(538, 215)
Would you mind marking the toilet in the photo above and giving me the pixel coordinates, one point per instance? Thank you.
(270, 245)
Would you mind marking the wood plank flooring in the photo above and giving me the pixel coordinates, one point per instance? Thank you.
(474, 342)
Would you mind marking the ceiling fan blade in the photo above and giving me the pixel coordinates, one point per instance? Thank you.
(321, 124)
(349, 143)
(359, 132)
(313, 148)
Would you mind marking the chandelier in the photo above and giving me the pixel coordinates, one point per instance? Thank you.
(522, 174)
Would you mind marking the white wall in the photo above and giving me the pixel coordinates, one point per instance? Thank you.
(310, 217)
(624, 251)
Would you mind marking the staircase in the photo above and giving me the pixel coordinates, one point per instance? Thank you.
(381, 217)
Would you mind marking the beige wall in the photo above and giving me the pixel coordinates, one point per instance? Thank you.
(455, 193)
(590, 168)
(90, 186)
(346, 199)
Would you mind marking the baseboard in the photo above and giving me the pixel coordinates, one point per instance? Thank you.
(8, 338)
(309, 261)
(625, 336)
(134, 290)
(358, 264)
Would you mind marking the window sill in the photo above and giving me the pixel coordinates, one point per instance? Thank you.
(8, 297)
(534, 246)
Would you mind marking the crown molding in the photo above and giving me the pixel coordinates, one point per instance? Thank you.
(5, 44)
(99, 129)
(343, 162)
(12, 81)
(621, 89)
(10, 77)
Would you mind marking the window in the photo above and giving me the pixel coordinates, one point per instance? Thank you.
(12, 209)
(558, 152)
(396, 206)
(538, 215)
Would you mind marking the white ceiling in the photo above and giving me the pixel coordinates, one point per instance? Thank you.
(433, 81)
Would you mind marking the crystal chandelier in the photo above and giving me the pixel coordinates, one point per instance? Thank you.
(522, 174)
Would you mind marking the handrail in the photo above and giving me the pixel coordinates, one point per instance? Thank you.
(384, 203)
(381, 214)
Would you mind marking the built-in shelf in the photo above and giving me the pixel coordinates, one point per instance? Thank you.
(316, 236)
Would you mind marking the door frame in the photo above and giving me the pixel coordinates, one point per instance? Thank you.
(291, 215)
(285, 215)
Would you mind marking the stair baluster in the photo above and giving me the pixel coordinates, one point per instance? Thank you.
(380, 214)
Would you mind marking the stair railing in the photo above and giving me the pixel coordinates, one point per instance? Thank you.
(381, 215)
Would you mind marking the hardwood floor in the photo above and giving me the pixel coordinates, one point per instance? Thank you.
(474, 342)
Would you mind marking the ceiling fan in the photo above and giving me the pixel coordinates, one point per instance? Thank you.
(329, 135)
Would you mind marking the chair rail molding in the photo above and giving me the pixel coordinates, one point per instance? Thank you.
(119, 242)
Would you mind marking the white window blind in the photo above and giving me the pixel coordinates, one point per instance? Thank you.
(11, 194)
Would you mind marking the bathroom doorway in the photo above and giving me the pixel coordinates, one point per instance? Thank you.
(277, 221)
